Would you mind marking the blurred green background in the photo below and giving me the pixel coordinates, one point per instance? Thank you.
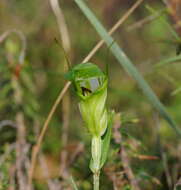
(41, 78)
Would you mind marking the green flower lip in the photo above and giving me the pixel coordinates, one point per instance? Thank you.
(88, 79)
(90, 87)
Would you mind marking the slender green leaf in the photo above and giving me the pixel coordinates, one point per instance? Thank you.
(178, 90)
(73, 183)
(127, 64)
(91, 165)
(168, 60)
(106, 141)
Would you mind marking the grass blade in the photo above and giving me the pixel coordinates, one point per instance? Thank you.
(73, 183)
(127, 64)
(168, 61)
(178, 90)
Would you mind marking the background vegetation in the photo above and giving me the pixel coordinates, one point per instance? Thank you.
(32, 67)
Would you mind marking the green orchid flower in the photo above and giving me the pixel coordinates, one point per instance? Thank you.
(90, 85)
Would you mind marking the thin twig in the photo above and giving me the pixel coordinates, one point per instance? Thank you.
(61, 24)
(67, 85)
(174, 10)
(144, 21)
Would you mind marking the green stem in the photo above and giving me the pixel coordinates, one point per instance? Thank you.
(96, 153)
(96, 180)
(96, 158)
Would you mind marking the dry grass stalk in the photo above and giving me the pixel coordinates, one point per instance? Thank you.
(65, 38)
(144, 21)
(174, 7)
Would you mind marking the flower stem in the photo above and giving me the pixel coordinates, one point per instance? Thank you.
(96, 159)
(96, 153)
(96, 180)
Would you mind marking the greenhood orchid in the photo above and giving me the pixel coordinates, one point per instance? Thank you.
(90, 84)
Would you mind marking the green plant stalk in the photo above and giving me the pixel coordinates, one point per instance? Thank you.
(96, 160)
(96, 153)
(90, 85)
(96, 180)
